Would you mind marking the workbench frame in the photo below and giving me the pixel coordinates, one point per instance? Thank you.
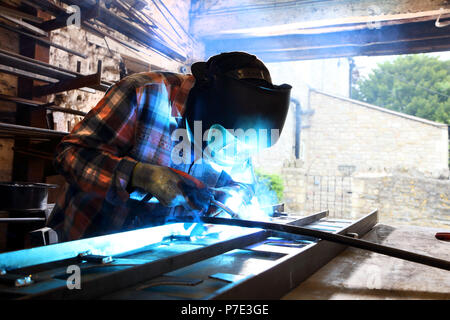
(287, 272)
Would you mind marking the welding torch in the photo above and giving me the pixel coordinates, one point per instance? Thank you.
(202, 188)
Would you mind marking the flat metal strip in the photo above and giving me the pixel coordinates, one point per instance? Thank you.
(108, 245)
(291, 270)
(118, 280)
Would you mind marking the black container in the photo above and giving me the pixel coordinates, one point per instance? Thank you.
(25, 196)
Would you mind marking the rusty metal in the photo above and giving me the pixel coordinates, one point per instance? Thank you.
(25, 25)
(41, 40)
(92, 81)
(14, 129)
(19, 14)
(148, 38)
(25, 74)
(34, 153)
(38, 104)
(43, 69)
(21, 220)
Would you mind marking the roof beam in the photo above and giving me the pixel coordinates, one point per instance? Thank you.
(415, 37)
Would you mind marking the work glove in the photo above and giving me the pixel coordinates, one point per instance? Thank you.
(170, 188)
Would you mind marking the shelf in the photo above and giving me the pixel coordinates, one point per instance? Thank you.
(60, 79)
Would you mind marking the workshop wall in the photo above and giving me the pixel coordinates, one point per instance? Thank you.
(358, 157)
(8, 86)
(345, 132)
(407, 197)
(111, 53)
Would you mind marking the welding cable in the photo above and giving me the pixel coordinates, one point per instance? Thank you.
(333, 237)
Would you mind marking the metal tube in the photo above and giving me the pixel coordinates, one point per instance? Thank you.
(24, 130)
(357, 243)
(23, 220)
(41, 40)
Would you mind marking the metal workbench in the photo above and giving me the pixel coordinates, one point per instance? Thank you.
(174, 262)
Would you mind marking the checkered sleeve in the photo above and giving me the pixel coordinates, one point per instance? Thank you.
(93, 157)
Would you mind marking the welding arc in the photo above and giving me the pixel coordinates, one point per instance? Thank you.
(333, 237)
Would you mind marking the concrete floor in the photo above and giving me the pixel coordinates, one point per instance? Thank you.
(360, 274)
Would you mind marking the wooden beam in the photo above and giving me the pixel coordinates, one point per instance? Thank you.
(210, 17)
(396, 39)
(436, 45)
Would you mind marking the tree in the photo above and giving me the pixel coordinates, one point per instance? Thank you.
(418, 85)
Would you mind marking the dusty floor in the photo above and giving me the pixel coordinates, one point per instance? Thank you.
(359, 274)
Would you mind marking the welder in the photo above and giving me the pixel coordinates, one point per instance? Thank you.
(119, 160)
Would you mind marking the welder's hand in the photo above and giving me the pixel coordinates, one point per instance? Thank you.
(170, 188)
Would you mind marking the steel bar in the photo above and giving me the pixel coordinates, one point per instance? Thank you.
(25, 74)
(15, 129)
(20, 14)
(42, 40)
(92, 80)
(25, 25)
(49, 106)
(44, 69)
(34, 153)
(32, 65)
(133, 274)
(357, 243)
(147, 38)
(290, 271)
(46, 5)
(20, 220)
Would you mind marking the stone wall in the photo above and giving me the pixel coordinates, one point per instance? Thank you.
(358, 157)
(401, 197)
(406, 197)
(345, 132)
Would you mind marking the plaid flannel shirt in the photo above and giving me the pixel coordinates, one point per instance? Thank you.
(132, 122)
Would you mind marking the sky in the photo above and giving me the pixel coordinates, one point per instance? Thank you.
(366, 64)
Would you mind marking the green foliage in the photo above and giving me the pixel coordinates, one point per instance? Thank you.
(418, 85)
(273, 181)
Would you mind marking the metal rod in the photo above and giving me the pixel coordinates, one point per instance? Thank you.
(42, 41)
(20, 220)
(144, 37)
(24, 130)
(357, 243)
(25, 25)
(20, 14)
(38, 104)
(40, 68)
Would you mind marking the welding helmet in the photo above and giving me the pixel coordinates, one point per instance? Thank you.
(234, 90)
